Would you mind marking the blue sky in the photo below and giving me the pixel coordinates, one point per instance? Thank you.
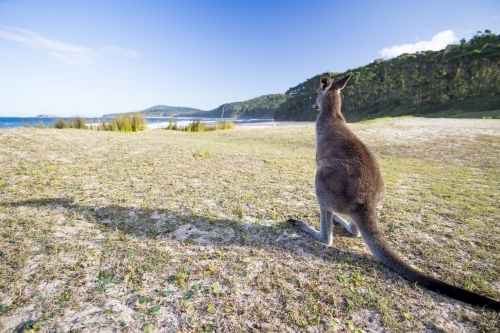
(89, 58)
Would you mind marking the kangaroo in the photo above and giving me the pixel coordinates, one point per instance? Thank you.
(348, 181)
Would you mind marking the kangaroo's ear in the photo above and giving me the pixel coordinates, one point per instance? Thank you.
(340, 84)
(326, 82)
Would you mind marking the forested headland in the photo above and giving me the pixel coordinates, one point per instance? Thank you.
(460, 79)
(164, 111)
(262, 107)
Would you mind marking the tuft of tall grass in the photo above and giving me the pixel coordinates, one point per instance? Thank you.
(123, 123)
(102, 125)
(198, 126)
(172, 125)
(78, 123)
(225, 125)
(139, 122)
(195, 126)
(60, 123)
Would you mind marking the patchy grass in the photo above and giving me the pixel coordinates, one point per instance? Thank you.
(171, 232)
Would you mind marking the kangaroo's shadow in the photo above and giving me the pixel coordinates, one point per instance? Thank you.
(179, 226)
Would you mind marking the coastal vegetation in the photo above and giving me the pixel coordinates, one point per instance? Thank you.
(124, 123)
(199, 126)
(454, 82)
(134, 122)
(160, 231)
(121, 123)
(262, 107)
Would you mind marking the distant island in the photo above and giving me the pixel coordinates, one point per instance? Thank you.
(46, 116)
(462, 80)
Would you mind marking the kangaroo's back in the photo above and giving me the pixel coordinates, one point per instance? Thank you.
(343, 161)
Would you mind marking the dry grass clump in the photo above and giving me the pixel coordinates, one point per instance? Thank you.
(60, 124)
(76, 123)
(198, 126)
(102, 231)
(122, 123)
(125, 123)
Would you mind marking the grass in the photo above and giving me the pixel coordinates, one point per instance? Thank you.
(450, 113)
(198, 126)
(122, 123)
(103, 231)
(495, 114)
(76, 123)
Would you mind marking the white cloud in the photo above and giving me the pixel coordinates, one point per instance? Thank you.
(68, 53)
(438, 42)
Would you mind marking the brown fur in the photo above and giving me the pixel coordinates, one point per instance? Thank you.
(348, 181)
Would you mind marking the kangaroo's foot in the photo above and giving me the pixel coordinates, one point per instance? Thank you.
(324, 236)
(349, 226)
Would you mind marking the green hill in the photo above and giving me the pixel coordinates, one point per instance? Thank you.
(458, 81)
(163, 111)
(262, 107)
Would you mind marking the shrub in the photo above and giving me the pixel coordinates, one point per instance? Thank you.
(60, 123)
(78, 123)
(138, 122)
(103, 125)
(128, 123)
(125, 123)
(195, 126)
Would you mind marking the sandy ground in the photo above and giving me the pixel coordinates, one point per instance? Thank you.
(426, 129)
(445, 122)
(395, 131)
(418, 125)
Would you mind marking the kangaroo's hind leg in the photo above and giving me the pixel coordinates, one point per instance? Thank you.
(349, 226)
(325, 229)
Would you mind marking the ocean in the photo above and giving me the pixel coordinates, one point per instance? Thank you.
(156, 122)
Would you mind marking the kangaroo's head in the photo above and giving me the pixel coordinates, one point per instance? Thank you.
(326, 86)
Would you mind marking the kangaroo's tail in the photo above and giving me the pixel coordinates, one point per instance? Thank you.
(380, 248)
